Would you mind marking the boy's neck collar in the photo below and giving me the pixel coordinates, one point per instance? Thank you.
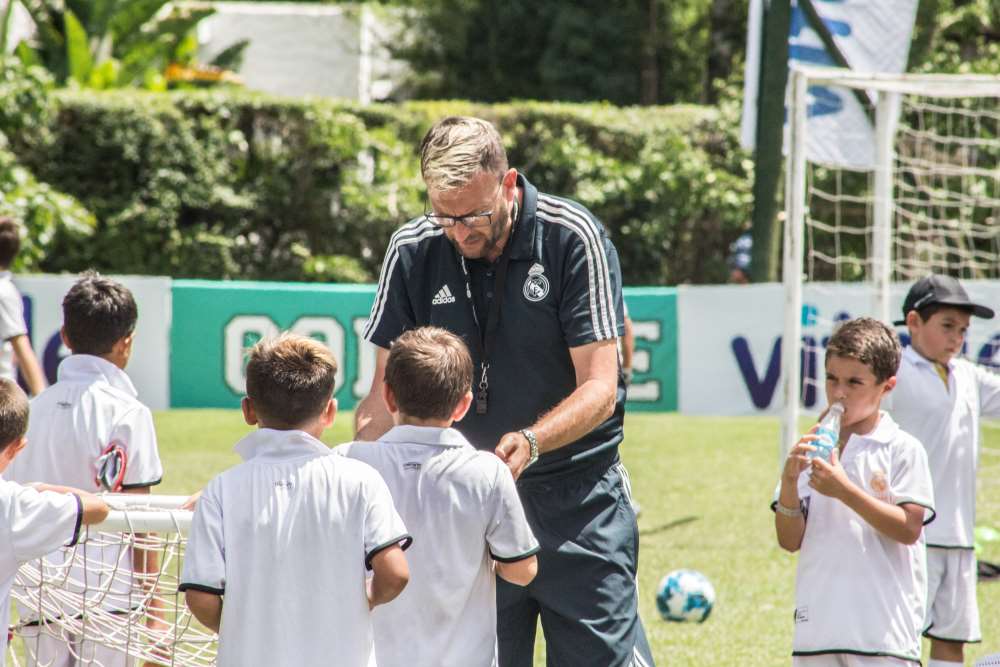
(399, 419)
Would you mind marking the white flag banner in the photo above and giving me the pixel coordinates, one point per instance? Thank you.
(872, 36)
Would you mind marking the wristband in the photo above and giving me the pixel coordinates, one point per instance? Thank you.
(784, 511)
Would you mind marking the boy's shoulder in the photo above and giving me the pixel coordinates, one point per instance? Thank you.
(460, 464)
(108, 395)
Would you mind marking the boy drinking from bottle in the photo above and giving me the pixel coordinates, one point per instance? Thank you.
(858, 517)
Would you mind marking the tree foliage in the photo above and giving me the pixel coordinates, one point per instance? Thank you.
(627, 52)
(233, 185)
(101, 44)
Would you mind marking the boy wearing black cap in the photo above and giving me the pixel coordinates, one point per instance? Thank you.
(939, 399)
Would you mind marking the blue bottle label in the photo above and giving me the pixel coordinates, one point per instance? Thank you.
(827, 440)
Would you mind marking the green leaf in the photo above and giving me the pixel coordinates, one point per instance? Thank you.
(104, 75)
(77, 49)
(27, 55)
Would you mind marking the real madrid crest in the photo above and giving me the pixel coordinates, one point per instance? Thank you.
(536, 285)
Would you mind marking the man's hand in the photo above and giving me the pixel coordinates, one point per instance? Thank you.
(515, 451)
(830, 479)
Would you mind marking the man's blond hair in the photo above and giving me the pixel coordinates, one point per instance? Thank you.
(457, 148)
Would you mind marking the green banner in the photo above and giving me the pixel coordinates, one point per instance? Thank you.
(215, 322)
(653, 311)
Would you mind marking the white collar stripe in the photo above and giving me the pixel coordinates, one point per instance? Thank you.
(600, 282)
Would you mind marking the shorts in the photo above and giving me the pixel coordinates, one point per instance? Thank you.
(952, 611)
(585, 591)
(849, 660)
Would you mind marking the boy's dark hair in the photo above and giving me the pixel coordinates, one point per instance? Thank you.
(290, 379)
(10, 241)
(13, 413)
(97, 313)
(869, 341)
(429, 370)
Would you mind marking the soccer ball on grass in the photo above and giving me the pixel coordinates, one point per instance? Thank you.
(685, 595)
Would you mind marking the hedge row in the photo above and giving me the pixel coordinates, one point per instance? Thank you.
(235, 185)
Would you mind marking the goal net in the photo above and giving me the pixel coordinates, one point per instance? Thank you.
(114, 593)
(920, 194)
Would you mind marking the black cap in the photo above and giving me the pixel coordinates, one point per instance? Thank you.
(944, 290)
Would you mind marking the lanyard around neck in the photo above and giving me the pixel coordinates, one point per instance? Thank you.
(484, 342)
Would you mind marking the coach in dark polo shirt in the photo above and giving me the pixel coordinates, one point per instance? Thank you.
(533, 285)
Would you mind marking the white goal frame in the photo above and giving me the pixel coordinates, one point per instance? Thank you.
(885, 90)
(151, 522)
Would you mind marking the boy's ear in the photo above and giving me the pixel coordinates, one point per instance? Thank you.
(249, 412)
(329, 413)
(124, 345)
(10, 451)
(890, 384)
(462, 407)
(389, 399)
(913, 319)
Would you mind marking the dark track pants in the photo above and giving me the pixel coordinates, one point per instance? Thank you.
(585, 590)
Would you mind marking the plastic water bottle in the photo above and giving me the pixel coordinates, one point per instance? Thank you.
(828, 432)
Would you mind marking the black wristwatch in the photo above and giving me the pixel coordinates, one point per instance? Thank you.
(532, 445)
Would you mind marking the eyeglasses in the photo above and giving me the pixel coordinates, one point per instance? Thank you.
(472, 220)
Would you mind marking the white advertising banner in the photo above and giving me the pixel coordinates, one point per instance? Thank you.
(729, 341)
(149, 366)
(872, 36)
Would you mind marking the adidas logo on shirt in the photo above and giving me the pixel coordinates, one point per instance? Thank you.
(443, 296)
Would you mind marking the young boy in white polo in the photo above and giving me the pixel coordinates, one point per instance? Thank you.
(15, 345)
(280, 544)
(33, 520)
(940, 398)
(858, 519)
(94, 408)
(460, 504)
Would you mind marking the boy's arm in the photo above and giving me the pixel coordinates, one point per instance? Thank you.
(39, 521)
(789, 519)
(519, 572)
(902, 523)
(28, 363)
(206, 607)
(512, 544)
(93, 509)
(391, 573)
(146, 564)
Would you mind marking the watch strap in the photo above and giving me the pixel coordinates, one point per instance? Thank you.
(532, 444)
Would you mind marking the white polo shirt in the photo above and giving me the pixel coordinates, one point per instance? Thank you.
(286, 537)
(858, 591)
(11, 323)
(946, 420)
(462, 507)
(31, 525)
(92, 404)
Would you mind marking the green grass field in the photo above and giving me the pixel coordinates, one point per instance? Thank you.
(704, 485)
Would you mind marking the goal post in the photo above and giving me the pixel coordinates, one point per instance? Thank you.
(90, 599)
(919, 194)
